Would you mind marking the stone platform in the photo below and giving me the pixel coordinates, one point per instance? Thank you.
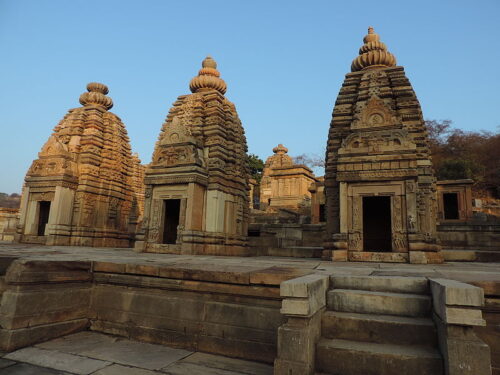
(221, 305)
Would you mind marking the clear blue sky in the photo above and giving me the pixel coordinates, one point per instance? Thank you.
(283, 61)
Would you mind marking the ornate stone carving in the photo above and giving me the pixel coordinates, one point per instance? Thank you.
(377, 135)
(89, 152)
(374, 114)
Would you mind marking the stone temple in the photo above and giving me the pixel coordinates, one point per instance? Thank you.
(285, 184)
(379, 182)
(197, 191)
(105, 308)
(80, 189)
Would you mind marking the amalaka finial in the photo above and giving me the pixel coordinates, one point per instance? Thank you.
(96, 95)
(373, 54)
(280, 149)
(208, 78)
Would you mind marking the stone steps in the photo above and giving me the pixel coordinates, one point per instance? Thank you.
(391, 284)
(384, 303)
(345, 357)
(385, 329)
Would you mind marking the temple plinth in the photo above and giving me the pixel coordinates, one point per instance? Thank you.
(196, 199)
(79, 191)
(379, 183)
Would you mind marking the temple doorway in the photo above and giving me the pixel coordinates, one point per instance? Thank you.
(43, 216)
(171, 220)
(450, 204)
(377, 224)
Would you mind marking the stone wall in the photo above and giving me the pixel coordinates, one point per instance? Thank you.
(226, 312)
(474, 236)
(9, 218)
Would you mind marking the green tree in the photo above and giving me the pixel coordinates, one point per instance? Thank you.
(256, 166)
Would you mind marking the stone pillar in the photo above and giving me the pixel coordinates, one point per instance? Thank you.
(457, 309)
(304, 299)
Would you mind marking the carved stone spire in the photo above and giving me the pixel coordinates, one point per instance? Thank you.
(208, 78)
(96, 95)
(373, 54)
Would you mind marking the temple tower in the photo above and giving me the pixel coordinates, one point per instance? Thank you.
(379, 182)
(196, 199)
(79, 191)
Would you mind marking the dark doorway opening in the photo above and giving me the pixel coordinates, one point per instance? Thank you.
(322, 213)
(43, 216)
(450, 204)
(377, 224)
(171, 220)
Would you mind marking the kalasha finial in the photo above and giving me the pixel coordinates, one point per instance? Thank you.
(373, 54)
(96, 95)
(208, 78)
(280, 149)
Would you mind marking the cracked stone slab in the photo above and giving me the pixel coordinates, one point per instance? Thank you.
(58, 361)
(118, 350)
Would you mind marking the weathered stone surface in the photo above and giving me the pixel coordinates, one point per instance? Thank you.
(304, 286)
(304, 296)
(460, 315)
(5, 363)
(392, 284)
(52, 304)
(227, 364)
(121, 351)
(186, 368)
(463, 352)
(24, 271)
(384, 329)
(124, 370)
(18, 338)
(57, 360)
(276, 275)
(26, 369)
(452, 292)
(379, 302)
(354, 358)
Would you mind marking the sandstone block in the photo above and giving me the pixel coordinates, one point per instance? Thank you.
(460, 315)
(452, 292)
(394, 284)
(304, 286)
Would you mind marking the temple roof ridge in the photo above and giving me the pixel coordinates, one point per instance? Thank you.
(208, 78)
(373, 54)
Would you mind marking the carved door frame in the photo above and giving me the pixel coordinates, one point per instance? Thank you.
(354, 197)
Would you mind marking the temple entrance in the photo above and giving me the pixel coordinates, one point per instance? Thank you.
(450, 205)
(377, 224)
(43, 216)
(171, 220)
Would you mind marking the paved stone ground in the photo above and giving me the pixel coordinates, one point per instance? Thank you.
(98, 354)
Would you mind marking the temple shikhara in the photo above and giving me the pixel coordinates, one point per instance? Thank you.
(197, 191)
(175, 266)
(79, 191)
(379, 183)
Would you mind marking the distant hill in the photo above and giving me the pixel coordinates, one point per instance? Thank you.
(10, 201)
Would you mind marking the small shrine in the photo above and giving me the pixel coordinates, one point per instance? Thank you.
(285, 184)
